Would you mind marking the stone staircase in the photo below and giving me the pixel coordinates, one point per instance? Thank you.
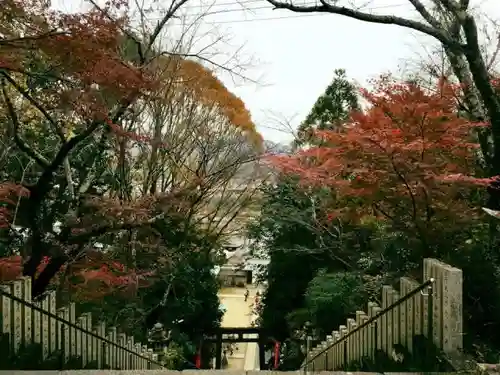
(206, 372)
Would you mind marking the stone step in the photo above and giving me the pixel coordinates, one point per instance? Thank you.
(208, 372)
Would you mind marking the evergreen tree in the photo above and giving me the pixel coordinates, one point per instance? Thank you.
(330, 110)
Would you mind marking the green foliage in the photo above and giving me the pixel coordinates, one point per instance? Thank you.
(330, 297)
(330, 109)
(309, 277)
(182, 296)
(284, 231)
(173, 356)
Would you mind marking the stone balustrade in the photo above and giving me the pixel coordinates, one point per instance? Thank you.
(81, 337)
(400, 324)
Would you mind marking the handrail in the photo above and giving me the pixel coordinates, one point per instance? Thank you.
(420, 288)
(74, 326)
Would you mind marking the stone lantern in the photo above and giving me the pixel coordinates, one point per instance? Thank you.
(159, 338)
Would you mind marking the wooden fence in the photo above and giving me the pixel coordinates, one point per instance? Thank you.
(432, 310)
(60, 334)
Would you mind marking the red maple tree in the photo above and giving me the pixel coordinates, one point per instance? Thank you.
(80, 72)
(77, 79)
(408, 158)
(91, 277)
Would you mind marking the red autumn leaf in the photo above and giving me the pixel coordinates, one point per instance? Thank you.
(409, 151)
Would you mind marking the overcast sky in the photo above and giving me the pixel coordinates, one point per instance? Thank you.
(293, 55)
(297, 53)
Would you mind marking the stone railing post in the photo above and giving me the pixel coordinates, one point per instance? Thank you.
(447, 305)
(6, 314)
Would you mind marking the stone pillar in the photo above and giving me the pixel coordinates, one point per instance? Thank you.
(144, 353)
(80, 322)
(371, 334)
(45, 328)
(413, 311)
(122, 358)
(72, 331)
(109, 350)
(130, 356)
(93, 358)
(396, 318)
(377, 331)
(26, 313)
(403, 316)
(6, 312)
(16, 288)
(323, 356)
(64, 333)
(386, 322)
(351, 325)
(138, 360)
(113, 348)
(87, 339)
(51, 299)
(100, 346)
(361, 318)
(329, 353)
(447, 304)
(335, 350)
(343, 347)
(364, 336)
(36, 324)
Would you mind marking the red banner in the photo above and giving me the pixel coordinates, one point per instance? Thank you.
(276, 354)
(198, 360)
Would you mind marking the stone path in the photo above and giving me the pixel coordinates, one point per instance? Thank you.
(238, 314)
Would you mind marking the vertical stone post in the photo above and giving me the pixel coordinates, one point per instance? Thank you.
(45, 328)
(329, 353)
(101, 359)
(6, 314)
(358, 349)
(26, 311)
(335, 350)
(63, 334)
(122, 341)
(431, 271)
(317, 360)
(108, 349)
(36, 324)
(343, 347)
(145, 355)
(94, 344)
(80, 321)
(396, 318)
(17, 316)
(88, 343)
(364, 336)
(370, 332)
(351, 326)
(51, 299)
(403, 316)
(386, 321)
(448, 304)
(378, 328)
(72, 331)
(323, 356)
(113, 349)
(130, 359)
(414, 318)
(138, 360)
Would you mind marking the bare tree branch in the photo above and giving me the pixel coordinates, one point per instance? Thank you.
(325, 7)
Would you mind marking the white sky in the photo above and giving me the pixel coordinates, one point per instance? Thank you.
(298, 53)
(294, 55)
